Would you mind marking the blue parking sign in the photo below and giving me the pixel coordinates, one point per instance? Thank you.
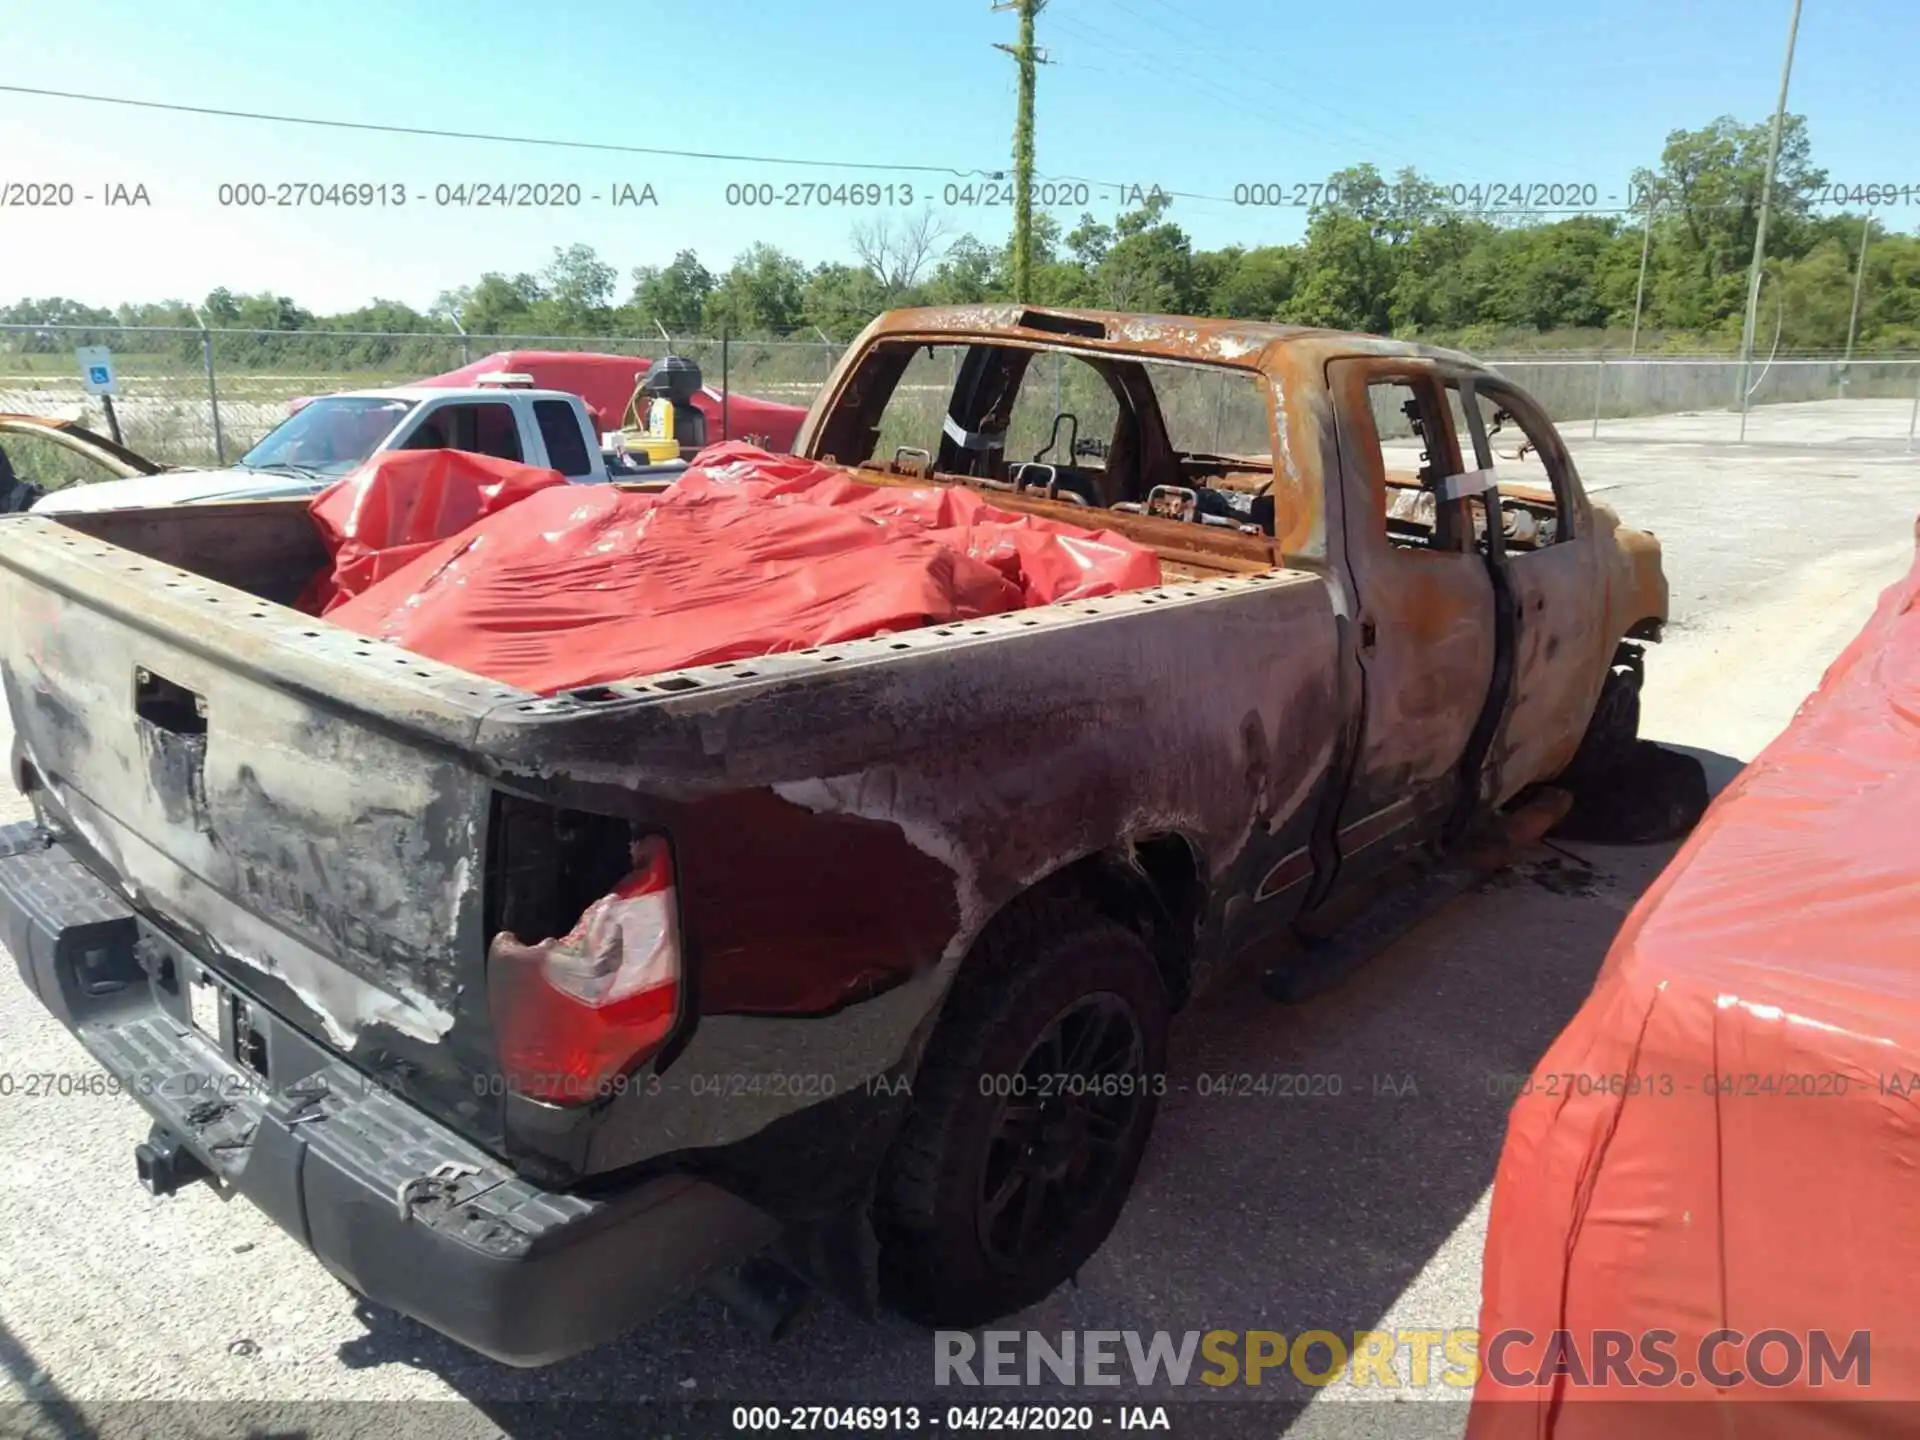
(95, 363)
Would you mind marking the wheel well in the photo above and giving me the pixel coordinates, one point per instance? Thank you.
(1631, 657)
(1152, 885)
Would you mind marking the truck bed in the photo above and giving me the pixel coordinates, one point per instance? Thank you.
(320, 815)
(270, 549)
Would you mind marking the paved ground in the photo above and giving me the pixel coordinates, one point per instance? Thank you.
(1883, 425)
(1362, 1211)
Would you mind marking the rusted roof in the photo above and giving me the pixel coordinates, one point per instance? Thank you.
(1177, 337)
(73, 436)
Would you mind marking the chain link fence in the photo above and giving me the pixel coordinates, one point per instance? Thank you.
(1819, 401)
(195, 397)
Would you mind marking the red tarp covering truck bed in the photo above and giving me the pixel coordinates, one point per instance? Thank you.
(401, 504)
(745, 554)
(1726, 1138)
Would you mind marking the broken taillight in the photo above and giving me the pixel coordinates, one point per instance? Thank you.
(572, 1015)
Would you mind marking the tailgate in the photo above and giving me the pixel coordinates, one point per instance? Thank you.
(293, 802)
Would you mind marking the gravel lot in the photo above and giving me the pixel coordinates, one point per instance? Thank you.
(1362, 1211)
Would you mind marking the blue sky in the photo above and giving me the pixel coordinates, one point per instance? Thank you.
(1196, 96)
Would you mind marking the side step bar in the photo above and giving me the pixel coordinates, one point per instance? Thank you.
(1321, 964)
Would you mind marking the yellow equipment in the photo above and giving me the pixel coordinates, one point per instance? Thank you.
(647, 429)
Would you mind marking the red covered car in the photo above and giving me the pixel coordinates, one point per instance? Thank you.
(606, 383)
(1707, 1194)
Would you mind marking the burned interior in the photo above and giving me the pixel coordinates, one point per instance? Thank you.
(1093, 429)
(1428, 448)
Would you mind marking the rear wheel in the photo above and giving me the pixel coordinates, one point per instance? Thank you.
(1031, 1112)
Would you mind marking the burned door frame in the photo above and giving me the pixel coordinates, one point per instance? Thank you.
(1560, 646)
(1424, 631)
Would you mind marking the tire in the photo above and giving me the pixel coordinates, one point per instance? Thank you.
(1655, 795)
(1006, 1177)
(1612, 732)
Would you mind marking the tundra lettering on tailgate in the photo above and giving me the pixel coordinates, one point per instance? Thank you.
(386, 958)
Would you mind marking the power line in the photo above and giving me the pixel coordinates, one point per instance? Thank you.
(548, 141)
(1236, 99)
(1464, 209)
(727, 157)
(1293, 98)
(1359, 127)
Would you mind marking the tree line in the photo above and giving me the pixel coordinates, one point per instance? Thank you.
(1389, 255)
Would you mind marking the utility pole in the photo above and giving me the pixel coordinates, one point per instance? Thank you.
(213, 388)
(1026, 55)
(1640, 290)
(1760, 231)
(1859, 274)
(466, 345)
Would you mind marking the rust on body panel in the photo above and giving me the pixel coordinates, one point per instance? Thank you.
(122, 463)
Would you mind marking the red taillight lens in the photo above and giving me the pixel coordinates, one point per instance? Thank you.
(573, 1014)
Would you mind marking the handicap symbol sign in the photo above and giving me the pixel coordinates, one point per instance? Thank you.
(95, 363)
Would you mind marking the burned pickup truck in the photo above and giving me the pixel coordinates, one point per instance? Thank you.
(868, 949)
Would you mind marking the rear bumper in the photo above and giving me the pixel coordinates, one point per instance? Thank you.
(524, 1275)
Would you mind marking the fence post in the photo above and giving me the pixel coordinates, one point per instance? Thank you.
(1853, 316)
(1914, 418)
(1640, 290)
(1599, 385)
(726, 348)
(213, 390)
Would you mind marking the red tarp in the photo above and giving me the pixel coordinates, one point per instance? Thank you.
(400, 504)
(1727, 1135)
(606, 383)
(746, 554)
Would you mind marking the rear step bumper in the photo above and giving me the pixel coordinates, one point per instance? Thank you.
(525, 1275)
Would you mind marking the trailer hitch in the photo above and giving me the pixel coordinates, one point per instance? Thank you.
(166, 1164)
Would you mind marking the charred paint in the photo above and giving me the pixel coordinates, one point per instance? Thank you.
(846, 820)
(796, 912)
